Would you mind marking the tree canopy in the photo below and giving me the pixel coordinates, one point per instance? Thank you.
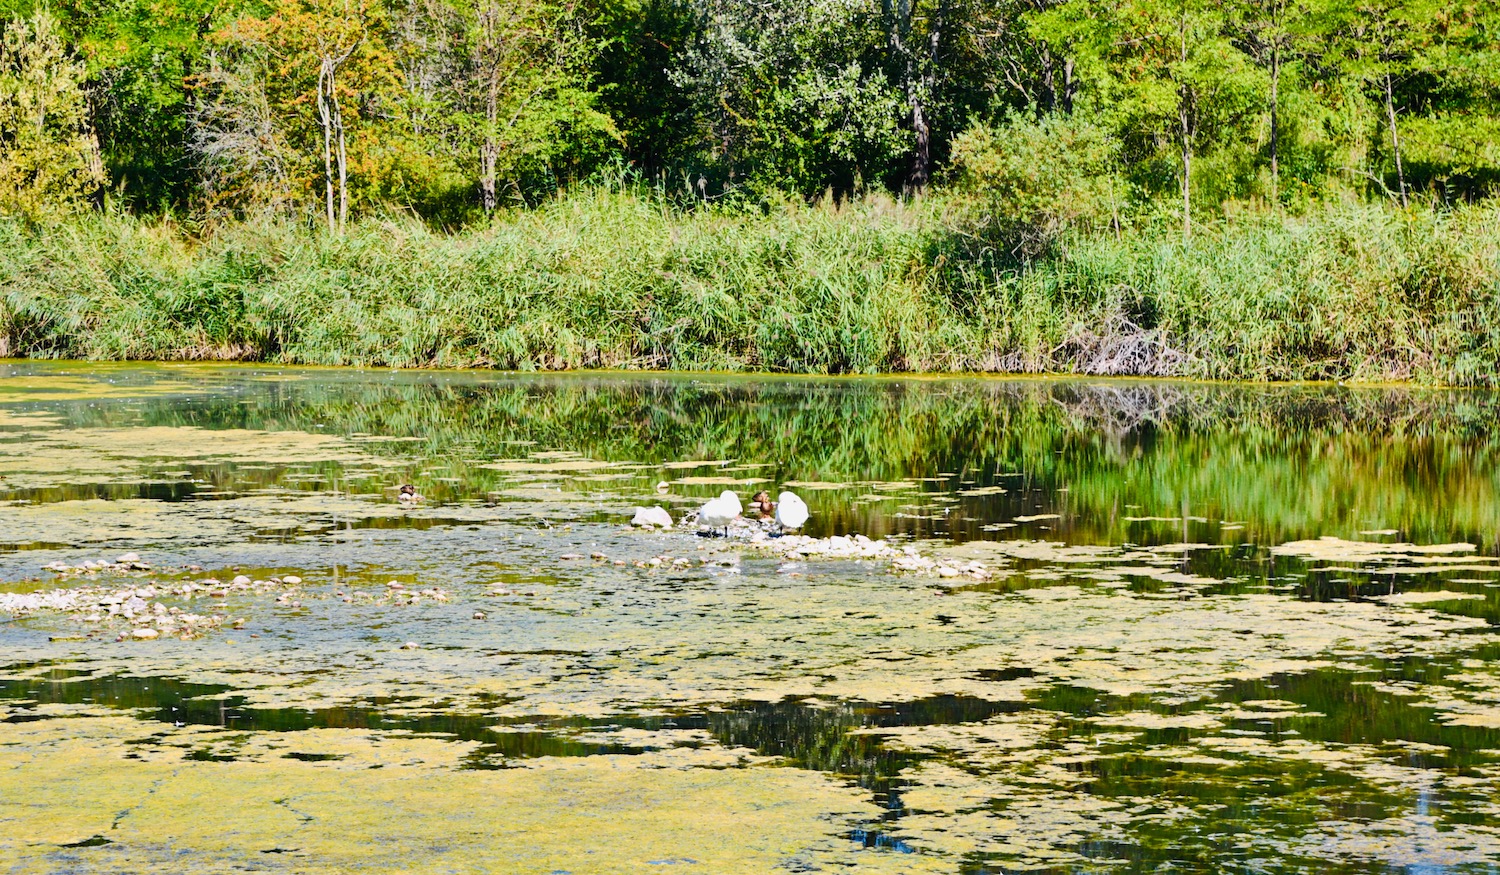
(1055, 111)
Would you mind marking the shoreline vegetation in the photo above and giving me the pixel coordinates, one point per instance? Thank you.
(1248, 191)
(615, 276)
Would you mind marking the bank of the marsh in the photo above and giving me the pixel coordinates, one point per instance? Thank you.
(609, 279)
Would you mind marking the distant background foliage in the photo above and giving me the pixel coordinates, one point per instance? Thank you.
(449, 109)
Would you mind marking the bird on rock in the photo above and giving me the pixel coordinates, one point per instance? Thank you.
(791, 511)
(720, 512)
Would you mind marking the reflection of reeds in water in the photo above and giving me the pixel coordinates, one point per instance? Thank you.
(1269, 792)
(1290, 461)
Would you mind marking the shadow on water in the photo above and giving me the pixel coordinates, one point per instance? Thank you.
(841, 738)
(179, 702)
(1254, 797)
(1253, 803)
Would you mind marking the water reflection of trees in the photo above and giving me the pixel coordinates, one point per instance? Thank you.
(1288, 460)
(1259, 794)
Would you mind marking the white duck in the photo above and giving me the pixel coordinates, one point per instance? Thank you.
(791, 511)
(720, 512)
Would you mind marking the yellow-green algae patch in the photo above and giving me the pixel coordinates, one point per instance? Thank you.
(692, 646)
(1420, 598)
(96, 521)
(1046, 551)
(65, 387)
(143, 521)
(1471, 696)
(558, 466)
(52, 456)
(397, 804)
(611, 636)
(1333, 549)
(1412, 841)
(1014, 788)
(33, 419)
(189, 442)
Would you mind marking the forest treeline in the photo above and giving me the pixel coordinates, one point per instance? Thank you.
(1246, 189)
(1065, 111)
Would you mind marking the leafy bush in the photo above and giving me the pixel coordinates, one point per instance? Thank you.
(49, 159)
(1032, 179)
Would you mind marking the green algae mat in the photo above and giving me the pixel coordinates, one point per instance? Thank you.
(1031, 626)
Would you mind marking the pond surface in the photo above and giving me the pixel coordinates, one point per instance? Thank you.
(1137, 627)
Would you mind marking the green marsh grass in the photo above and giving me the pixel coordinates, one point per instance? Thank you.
(602, 278)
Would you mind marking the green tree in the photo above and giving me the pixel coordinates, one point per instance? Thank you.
(836, 94)
(511, 84)
(640, 43)
(289, 89)
(142, 57)
(1028, 53)
(1035, 179)
(1166, 73)
(524, 90)
(1264, 29)
(49, 156)
(1379, 44)
(793, 97)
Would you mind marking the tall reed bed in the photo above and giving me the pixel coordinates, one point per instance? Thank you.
(612, 279)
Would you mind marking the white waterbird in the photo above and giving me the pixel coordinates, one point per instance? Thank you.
(720, 512)
(791, 511)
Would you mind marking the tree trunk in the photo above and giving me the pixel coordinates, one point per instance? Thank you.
(921, 161)
(1049, 79)
(487, 155)
(343, 160)
(1184, 117)
(1070, 86)
(1390, 112)
(492, 50)
(489, 150)
(898, 15)
(190, 104)
(1275, 126)
(325, 118)
(921, 157)
(1059, 93)
(1187, 165)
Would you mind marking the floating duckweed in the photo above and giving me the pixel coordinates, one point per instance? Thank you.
(921, 683)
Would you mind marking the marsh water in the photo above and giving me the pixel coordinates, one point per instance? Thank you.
(1220, 629)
